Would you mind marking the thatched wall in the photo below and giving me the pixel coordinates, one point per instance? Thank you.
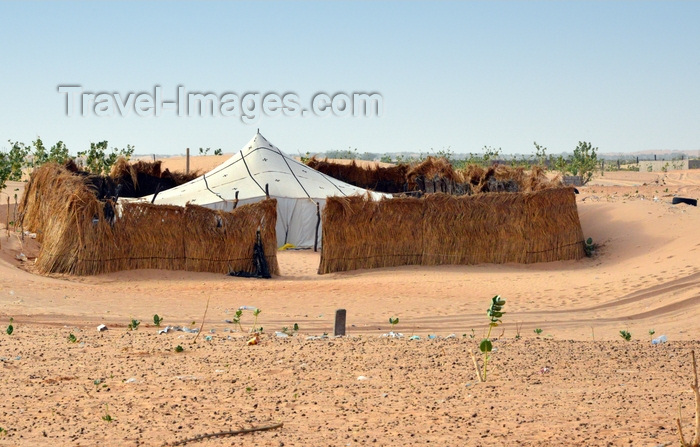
(391, 179)
(434, 175)
(439, 229)
(80, 236)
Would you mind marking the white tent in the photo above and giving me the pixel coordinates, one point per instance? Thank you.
(300, 191)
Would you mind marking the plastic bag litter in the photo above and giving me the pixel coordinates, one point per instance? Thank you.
(658, 340)
(392, 334)
(178, 328)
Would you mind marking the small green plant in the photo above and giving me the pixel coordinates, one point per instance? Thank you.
(495, 312)
(157, 320)
(3, 432)
(256, 312)
(626, 335)
(72, 338)
(651, 333)
(473, 334)
(248, 389)
(107, 417)
(537, 331)
(589, 247)
(179, 348)
(394, 321)
(10, 328)
(518, 326)
(134, 324)
(294, 330)
(254, 329)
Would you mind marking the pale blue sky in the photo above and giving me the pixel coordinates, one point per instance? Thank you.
(625, 76)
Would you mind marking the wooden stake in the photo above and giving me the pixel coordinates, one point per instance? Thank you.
(696, 439)
(202, 325)
(476, 366)
(340, 317)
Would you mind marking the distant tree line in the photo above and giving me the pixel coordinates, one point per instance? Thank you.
(21, 157)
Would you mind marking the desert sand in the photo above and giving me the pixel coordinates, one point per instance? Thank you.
(577, 383)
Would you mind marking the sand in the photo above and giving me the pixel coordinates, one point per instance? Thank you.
(599, 389)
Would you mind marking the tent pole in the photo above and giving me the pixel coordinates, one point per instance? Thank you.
(187, 162)
(235, 202)
(267, 190)
(318, 223)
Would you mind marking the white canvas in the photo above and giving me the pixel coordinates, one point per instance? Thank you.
(297, 188)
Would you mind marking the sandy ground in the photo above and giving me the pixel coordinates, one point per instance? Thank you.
(600, 390)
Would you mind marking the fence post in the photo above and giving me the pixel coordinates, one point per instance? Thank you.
(340, 316)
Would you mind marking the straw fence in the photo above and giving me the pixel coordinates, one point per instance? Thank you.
(437, 175)
(81, 235)
(539, 226)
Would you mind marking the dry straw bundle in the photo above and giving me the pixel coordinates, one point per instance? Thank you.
(85, 236)
(438, 175)
(390, 179)
(439, 229)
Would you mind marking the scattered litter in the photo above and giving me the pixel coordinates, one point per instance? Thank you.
(432, 337)
(22, 257)
(208, 338)
(219, 371)
(281, 334)
(385, 395)
(131, 380)
(254, 341)
(253, 308)
(30, 235)
(545, 370)
(212, 331)
(12, 292)
(658, 340)
(178, 328)
(317, 337)
(362, 378)
(186, 377)
(228, 321)
(393, 334)
(414, 337)
(101, 328)
(450, 336)
(19, 357)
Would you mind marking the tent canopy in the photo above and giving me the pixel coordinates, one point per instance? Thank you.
(300, 190)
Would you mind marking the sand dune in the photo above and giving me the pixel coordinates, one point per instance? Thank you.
(600, 391)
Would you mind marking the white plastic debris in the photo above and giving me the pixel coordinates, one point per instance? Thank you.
(281, 334)
(253, 308)
(131, 380)
(178, 328)
(393, 334)
(22, 257)
(362, 378)
(101, 328)
(658, 340)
